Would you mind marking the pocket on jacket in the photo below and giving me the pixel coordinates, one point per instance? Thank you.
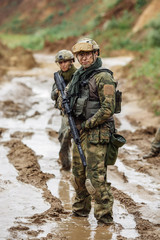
(93, 135)
(104, 134)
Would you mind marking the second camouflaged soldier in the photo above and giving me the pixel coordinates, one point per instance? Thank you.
(155, 146)
(92, 101)
(64, 59)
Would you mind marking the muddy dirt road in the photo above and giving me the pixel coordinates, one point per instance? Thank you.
(36, 197)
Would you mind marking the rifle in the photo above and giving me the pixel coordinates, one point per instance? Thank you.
(61, 86)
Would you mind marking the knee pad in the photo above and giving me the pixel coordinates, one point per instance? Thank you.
(90, 187)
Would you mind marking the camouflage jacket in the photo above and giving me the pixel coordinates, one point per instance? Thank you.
(67, 76)
(102, 88)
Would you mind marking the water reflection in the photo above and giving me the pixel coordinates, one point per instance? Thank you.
(79, 228)
(72, 227)
(87, 228)
(14, 200)
(64, 194)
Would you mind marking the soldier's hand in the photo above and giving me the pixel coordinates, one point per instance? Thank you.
(59, 102)
(83, 125)
(79, 127)
(58, 93)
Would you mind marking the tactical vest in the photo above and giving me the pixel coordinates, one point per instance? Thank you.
(88, 103)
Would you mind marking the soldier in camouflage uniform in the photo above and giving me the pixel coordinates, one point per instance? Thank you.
(64, 59)
(155, 147)
(92, 101)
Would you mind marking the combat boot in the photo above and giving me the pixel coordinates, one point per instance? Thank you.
(105, 221)
(150, 155)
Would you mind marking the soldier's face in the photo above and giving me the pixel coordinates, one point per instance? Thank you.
(65, 65)
(86, 59)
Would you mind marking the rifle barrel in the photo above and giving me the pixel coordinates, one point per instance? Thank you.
(74, 131)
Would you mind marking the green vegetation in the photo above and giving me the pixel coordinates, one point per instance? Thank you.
(140, 4)
(146, 78)
(125, 22)
(27, 41)
(154, 34)
(150, 68)
(60, 13)
(114, 3)
(49, 19)
(14, 25)
(36, 36)
(112, 33)
(79, 24)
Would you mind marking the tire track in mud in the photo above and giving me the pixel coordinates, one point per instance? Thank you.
(26, 162)
(146, 229)
(141, 138)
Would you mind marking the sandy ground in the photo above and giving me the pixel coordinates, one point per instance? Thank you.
(135, 181)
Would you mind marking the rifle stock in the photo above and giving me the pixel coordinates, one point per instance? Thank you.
(61, 86)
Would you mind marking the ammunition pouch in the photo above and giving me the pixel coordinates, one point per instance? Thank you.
(80, 107)
(118, 97)
(86, 109)
(91, 108)
(116, 141)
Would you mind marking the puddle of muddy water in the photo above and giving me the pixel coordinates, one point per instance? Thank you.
(125, 124)
(86, 228)
(116, 61)
(91, 229)
(141, 188)
(14, 197)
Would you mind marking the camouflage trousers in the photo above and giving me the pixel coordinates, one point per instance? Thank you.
(65, 142)
(90, 182)
(156, 142)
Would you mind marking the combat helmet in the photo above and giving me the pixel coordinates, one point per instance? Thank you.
(86, 45)
(64, 55)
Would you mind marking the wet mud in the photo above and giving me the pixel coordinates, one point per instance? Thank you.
(37, 195)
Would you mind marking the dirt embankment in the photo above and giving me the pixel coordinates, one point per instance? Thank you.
(66, 43)
(150, 12)
(30, 173)
(19, 58)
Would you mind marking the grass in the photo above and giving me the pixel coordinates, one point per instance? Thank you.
(146, 78)
(27, 41)
(115, 35)
(63, 30)
(77, 24)
(150, 68)
(154, 32)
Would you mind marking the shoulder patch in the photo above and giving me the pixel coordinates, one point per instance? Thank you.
(108, 89)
